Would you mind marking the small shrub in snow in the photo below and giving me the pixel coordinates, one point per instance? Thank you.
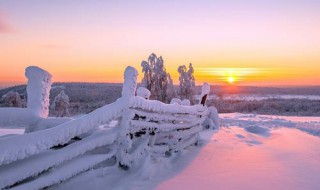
(61, 104)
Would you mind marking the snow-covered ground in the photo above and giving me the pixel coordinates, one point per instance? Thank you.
(236, 158)
(248, 152)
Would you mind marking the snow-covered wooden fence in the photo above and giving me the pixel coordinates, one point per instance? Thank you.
(152, 127)
(145, 128)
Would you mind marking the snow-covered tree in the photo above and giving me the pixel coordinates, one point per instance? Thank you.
(12, 99)
(61, 104)
(187, 82)
(156, 79)
(171, 91)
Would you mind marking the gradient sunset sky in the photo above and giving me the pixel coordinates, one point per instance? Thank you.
(272, 42)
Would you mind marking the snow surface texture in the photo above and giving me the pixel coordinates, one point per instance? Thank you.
(38, 90)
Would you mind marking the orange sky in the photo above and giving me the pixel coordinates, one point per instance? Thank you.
(93, 41)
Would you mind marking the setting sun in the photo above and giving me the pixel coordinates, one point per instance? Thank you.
(230, 79)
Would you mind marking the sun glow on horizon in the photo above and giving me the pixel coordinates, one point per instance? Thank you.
(231, 79)
(230, 75)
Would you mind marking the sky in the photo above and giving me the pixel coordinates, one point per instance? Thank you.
(252, 42)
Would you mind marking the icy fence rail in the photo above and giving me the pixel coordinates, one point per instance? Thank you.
(147, 127)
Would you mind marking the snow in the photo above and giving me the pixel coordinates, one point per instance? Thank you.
(235, 157)
(16, 117)
(38, 90)
(205, 89)
(130, 82)
(17, 148)
(9, 132)
(248, 152)
(185, 102)
(31, 166)
(239, 151)
(143, 92)
(157, 106)
(175, 101)
(279, 161)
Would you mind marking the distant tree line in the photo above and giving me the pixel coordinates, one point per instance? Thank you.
(292, 107)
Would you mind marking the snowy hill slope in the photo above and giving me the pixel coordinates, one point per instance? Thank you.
(248, 152)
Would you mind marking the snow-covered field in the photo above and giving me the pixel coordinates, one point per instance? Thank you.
(248, 152)
(255, 152)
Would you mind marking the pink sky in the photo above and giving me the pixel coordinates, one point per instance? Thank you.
(93, 41)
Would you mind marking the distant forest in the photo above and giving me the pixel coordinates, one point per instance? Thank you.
(86, 97)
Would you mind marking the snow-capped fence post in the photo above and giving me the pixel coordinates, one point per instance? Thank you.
(38, 90)
(124, 142)
(204, 93)
(130, 82)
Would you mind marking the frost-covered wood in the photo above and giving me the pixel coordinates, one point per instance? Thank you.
(170, 125)
(24, 146)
